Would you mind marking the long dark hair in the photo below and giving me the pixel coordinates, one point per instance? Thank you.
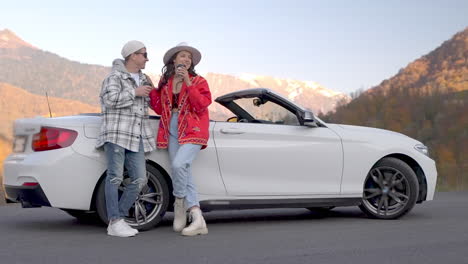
(168, 71)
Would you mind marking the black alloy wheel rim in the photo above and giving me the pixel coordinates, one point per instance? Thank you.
(148, 203)
(386, 191)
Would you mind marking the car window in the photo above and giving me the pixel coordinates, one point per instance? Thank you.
(268, 112)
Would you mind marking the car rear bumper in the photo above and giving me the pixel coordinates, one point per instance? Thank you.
(28, 196)
(67, 179)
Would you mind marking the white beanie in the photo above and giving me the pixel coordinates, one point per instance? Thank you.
(130, 47)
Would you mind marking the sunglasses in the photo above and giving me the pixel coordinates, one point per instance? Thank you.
(145, 54)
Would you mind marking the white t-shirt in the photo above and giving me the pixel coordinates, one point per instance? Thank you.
(136, 77)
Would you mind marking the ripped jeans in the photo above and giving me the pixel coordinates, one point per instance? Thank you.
(135, 163)
(181, 157)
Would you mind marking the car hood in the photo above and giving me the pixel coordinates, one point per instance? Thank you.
(369, 134)
(370, 130)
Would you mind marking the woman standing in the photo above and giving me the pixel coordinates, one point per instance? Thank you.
(182, 99)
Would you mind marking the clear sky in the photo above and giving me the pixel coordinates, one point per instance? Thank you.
(344, 45)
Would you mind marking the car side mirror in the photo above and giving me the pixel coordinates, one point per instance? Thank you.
(309, 119)
(259, 101)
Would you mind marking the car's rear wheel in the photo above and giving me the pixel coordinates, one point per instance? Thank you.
(390, 189)
(150, 206)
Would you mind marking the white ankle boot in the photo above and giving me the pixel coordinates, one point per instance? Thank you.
(180, 215)
(197, 226)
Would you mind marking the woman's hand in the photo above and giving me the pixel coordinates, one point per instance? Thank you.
(182, 73)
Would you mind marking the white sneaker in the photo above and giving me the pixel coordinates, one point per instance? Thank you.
(198, 224)
(180, 215)
(120, 229)
(128, 227)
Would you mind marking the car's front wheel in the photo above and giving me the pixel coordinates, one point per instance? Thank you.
(390, 190)
(150, 205)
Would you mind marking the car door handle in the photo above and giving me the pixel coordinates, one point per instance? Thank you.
(231, 131)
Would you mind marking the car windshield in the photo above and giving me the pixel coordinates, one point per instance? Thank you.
(267, 111)
(287, 100)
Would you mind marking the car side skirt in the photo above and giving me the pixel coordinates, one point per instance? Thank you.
(277, 203)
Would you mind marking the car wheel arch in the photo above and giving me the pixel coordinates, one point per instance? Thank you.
(421, 177)
(148, 162)
(92, 205)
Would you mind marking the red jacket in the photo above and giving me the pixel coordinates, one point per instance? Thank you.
(193, 118)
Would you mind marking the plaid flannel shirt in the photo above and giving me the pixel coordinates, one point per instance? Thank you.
(124, 116)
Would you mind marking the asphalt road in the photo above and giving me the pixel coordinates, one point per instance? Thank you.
(434, 232)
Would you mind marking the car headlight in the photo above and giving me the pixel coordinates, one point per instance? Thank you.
(423, 149)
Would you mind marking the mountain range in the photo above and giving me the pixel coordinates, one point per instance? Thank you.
(37, 71)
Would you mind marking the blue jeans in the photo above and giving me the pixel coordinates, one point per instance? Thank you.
(181, 157)
(135, 163)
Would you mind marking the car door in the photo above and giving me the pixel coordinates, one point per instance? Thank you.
(274, 155)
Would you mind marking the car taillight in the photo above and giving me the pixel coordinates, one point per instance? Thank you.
(30, 184)
(53, 138)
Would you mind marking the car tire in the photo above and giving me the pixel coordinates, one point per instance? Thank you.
(150, 206)
(390, 189)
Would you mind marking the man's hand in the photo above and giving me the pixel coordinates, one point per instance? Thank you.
(143, 90)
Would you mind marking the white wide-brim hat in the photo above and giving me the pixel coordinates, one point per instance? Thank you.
(196, 55)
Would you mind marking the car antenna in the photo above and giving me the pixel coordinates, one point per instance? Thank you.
(48, 104)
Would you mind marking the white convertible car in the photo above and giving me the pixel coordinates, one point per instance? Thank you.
(271, 153)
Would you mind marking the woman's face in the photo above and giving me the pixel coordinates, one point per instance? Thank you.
(183, 57)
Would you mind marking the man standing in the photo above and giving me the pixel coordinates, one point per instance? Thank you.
(125, 133)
